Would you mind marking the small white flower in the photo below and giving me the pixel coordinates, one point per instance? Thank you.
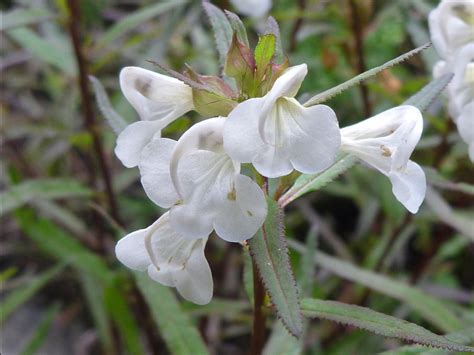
(159, 100)
(202, 185)
(252, 8)
(276, 133)
(169, 258)
(386, 142)
(452, 26)
(465, 124)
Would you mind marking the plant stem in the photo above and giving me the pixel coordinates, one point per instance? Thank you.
(88, 112)
(258, 332)
(359, 47)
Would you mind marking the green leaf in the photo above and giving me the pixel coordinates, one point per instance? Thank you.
(22, 294)
(180, 335)
(270, 253)
(94, 293)
(221, 27)
(432, 309)
(50, 52)
(464, 337)
(272, 27)
(306, 183)
(264, 52)
(115, 121)
(41, 189)
(238, 27)
(54, 241)
(41, 332)
(123, 318)
(423, 98)
(135, 19)
(23, 17)
(326, 95)
(436, 179)
(379, 323)
(282, 343)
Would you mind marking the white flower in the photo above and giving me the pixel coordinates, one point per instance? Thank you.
(252, 8)
(202, 185)
(460, 92)
(159, 100)
(452, 26)
(386, 142)
(465, 124)
(169, 259)
(276, 133)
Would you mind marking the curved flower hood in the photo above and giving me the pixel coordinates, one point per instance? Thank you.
(386, 142)
(158, 100)
(452, 26)
(169, 259)
(277, 134)
(203, 185)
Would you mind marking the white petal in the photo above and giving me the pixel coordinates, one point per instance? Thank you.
(241, 137)
(273, 161)
(155, 172)
(155, 96)
(179, 262)
(242, 210)
(199, 174)
(204, 135)
(134, 138)
(131, 250)
(287, 85)
(195, 282)
(465, 126)
(409, 186)
(381, 123)
(252, 8)
(313, 136)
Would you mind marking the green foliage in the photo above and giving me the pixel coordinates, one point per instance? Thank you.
(376, 322)
(41, 332)
(22, 294)
(306, 183)
(270, 253)
(41, 189)
(222, 29)
(179, 333)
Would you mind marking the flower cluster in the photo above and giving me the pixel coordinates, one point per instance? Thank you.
(257, 121)
(452, 33)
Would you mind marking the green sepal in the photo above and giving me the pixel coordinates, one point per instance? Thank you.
(240, 65)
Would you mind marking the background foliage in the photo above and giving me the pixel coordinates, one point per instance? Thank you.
(61, 283)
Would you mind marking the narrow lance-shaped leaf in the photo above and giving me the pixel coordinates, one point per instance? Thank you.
(270, 252)
(40, 189)
(23, 293)
(221, 27)
(23, 17)
(432, 309)
(264, 52)
(115, 121)
(326, 95)
(306, 183)
(124, 319)
(179, 334)
(423, 98)
(379, 323)
(238, 27)
(273, 28)
(41, 332)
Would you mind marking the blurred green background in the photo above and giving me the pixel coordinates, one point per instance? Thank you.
(62, 289)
